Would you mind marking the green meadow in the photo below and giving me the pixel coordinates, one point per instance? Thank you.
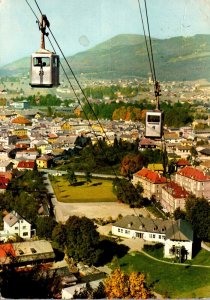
(99, 190)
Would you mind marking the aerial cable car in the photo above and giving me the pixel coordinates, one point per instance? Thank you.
(154, 118)
(44, 63)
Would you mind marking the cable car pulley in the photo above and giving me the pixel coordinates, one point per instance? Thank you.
(44, 63)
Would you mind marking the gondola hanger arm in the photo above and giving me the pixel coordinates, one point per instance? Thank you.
(43, 24)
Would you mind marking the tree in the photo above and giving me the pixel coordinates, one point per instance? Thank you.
(82, 240)
(116, 143)
(179, 214)
(198, 214)
(121, 285)
(49, 111)
(88, 177)
(44, 227)
(131, 163)
(59, 236)
(127, 192)
(165, 160)
(88, 292)
(193, 156)
(71, 177)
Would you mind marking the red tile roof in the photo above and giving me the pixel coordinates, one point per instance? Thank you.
(7, 175)
(22, 145)
(193, 173)
(26, 164)
(183, 162)
(176, 190)
(21, 120)
(52, 135)
(4, 182)
(6, 250)
(146, 141)
(151, 176)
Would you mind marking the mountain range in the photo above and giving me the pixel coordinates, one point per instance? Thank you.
(125, 56)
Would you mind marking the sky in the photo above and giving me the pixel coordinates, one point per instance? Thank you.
(81, 24)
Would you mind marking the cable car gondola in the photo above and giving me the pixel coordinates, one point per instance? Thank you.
(154, 119)
(154, 124)
(44, 63)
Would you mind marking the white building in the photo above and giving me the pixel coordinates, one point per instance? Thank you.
(194, 181)
(151, 182)
(152, 230)
(14, 225)
(175, 235)
(179, 238)
(6, 166)
(68, 292)
(173, 196)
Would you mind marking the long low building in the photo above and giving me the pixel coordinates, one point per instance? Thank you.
(176, 236)
(26, 252)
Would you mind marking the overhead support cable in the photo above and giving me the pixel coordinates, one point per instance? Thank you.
(71, 85)
(85, 97)
(150, 41)
(146, 43)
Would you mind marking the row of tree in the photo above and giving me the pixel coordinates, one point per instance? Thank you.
(176, 114)
(99, 92)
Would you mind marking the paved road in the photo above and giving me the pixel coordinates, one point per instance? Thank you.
(58, 172)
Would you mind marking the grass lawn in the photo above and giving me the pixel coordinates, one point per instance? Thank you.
(170, 280)
(202, 258)
(99, 190)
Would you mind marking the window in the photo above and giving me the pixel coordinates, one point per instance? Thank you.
(118, 229)
(153, 236)
(33, 250)
(160, 237)
(150, 235)
(41, 61)
(55, 62)
(153, 119)
(127, 231)
(16, 227)
(24, 227)
(25, 233)
(121, 230)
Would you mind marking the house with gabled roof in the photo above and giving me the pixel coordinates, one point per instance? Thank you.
(194, 181)
(44, 161)
(150, 181)
(179, 240)
(173, 196)
(152, 230)
(181, 163)
(14, 224)
(52, 137)
(146, 143)
(156, 168)
(6, 166)
(176, 236)
(4, 181)
(26, 165)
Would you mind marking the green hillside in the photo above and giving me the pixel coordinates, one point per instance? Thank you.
(123, 56)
